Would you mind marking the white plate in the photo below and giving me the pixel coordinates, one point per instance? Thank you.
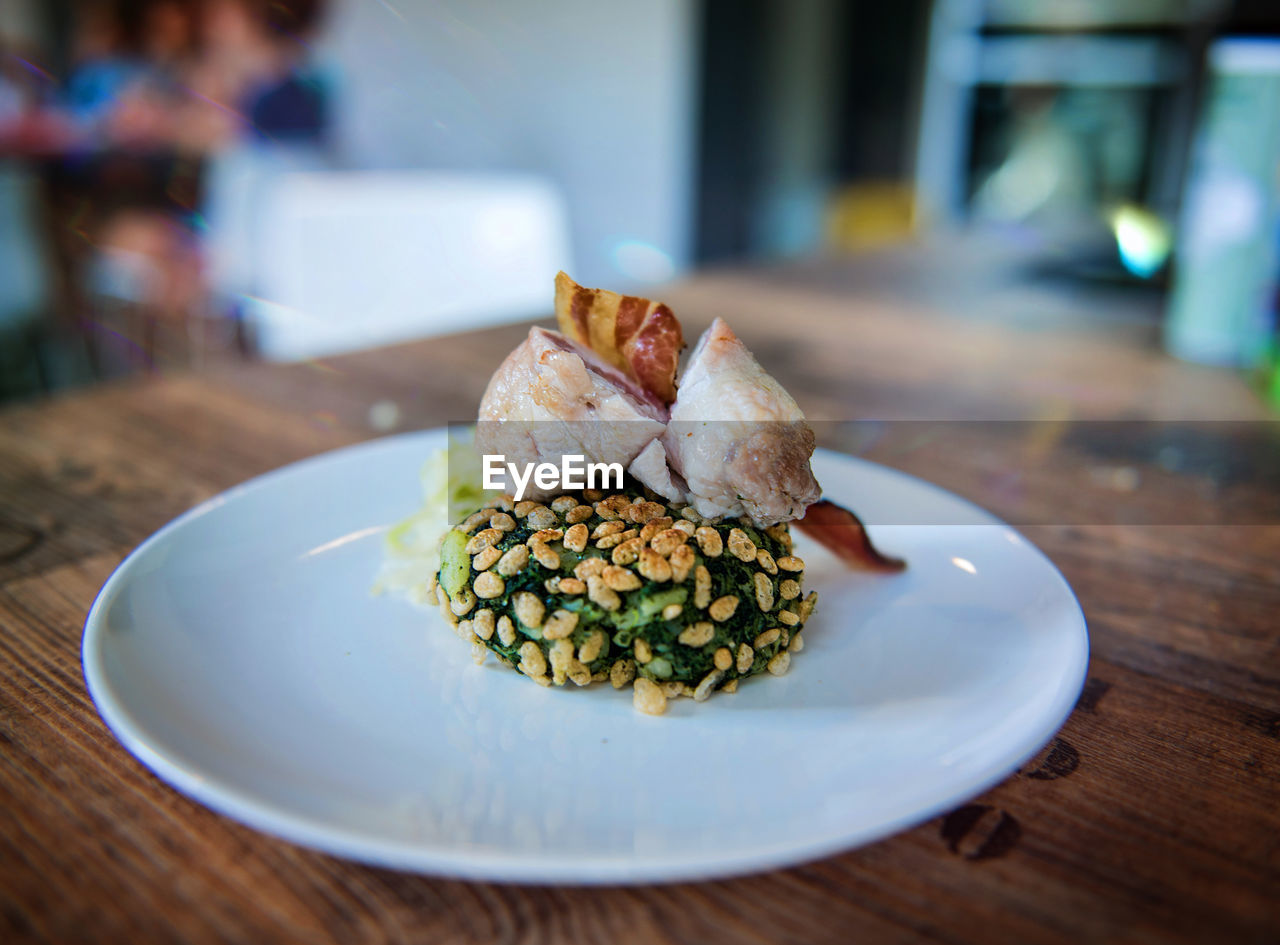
(239, 655)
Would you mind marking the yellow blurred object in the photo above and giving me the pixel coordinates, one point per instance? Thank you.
(874, 214)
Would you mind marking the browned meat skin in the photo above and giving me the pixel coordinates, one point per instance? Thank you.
(842, 533)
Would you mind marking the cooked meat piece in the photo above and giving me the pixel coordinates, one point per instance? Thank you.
(635, 335)
(733, 444)
(651, 468)
(552, 397)
(737, 438)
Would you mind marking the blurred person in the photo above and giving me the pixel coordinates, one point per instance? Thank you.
(25, 126)
(167, 33)
(148, 276)
(122, 51)
(125, 196)
(236, 52)
(102, 68)
(294, 106)
(165, 95)
(17, 94)
(255, 62)
(144, 112)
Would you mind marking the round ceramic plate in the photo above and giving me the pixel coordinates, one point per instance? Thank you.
(240, 655)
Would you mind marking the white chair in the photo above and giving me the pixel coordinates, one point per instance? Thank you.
(356, 259)
(238, 182)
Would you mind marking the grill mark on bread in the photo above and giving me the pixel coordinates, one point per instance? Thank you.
(631, 312)
(580, 309)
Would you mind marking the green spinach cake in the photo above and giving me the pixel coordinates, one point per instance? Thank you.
(591, 587)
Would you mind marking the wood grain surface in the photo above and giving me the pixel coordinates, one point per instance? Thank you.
(1153, 816)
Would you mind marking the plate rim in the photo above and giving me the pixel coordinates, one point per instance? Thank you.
(505, 866)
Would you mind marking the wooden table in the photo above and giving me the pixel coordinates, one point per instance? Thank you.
(1153, 816)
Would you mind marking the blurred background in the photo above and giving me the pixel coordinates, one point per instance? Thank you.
(184, 182)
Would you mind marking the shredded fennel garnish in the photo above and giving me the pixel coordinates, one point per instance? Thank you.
(450, 490)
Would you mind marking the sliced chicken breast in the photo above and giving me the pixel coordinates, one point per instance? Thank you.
(552, 397)
(736, 438)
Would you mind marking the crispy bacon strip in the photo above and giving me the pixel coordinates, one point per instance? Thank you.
(633, 334)
(840, 531)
